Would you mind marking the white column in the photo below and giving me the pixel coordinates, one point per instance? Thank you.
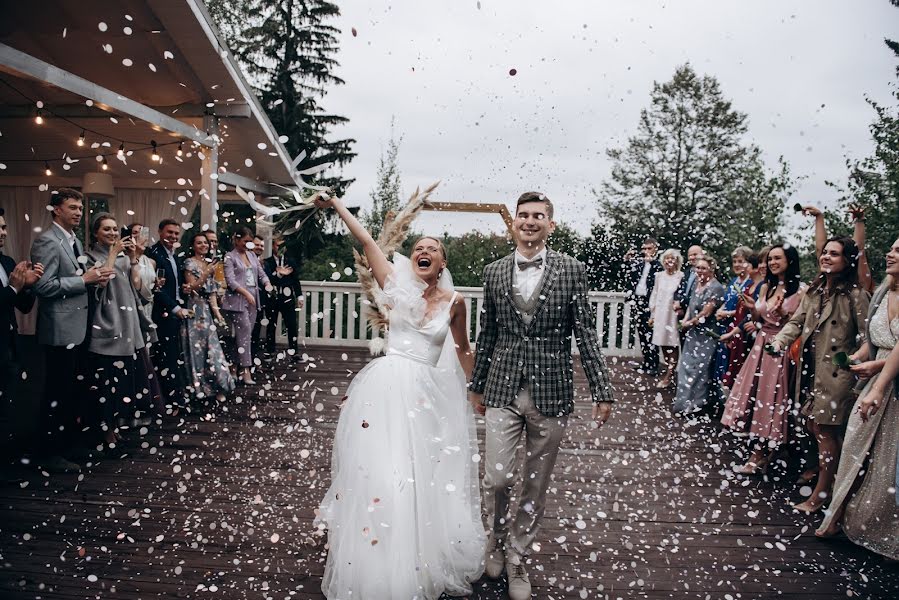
(209, 205)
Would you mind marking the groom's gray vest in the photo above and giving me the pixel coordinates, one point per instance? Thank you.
(526, 308)
(531, 340)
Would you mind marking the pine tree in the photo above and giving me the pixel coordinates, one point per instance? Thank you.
(287, 49)
(687, 176)
(385, 196)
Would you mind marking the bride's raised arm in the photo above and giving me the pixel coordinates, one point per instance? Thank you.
(380, 266)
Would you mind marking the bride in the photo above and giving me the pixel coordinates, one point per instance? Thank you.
(403, 510)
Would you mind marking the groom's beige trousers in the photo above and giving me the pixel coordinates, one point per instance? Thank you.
(543, 436)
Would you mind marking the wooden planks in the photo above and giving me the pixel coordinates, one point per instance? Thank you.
(224, 498)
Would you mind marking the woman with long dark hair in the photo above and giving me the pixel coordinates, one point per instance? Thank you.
(830, 320)
(759, 402)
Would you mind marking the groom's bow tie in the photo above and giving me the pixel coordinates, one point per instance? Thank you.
(527, 264)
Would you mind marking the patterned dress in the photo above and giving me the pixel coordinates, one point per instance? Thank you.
(872, 517)
(698, 353)
(207, 369)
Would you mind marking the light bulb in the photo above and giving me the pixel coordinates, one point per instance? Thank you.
(121, 151)
(39, 119)
(104, 165)
(47, 170)
(180, 151)
(80, 141)
(155, 152)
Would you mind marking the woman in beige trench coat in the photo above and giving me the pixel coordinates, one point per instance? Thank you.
(830, 320)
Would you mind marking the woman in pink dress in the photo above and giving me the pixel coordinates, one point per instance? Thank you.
(760, 400)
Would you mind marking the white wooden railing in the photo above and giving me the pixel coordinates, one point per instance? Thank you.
(334, 314)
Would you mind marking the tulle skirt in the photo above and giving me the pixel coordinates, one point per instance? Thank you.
(403, 510)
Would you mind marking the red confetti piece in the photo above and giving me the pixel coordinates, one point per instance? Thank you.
(354, 32)
(513, 72)
(364, 424)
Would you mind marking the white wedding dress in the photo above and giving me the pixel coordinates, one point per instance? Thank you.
(403, 511)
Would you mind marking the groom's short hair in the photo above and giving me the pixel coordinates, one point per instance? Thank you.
(535, 197)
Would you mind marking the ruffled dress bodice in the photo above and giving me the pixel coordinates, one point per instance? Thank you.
(412, 334)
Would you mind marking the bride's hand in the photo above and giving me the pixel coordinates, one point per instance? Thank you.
(323, 200)
(477, 403)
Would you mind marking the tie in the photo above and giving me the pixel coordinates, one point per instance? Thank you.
(75, 249)
(528, 264)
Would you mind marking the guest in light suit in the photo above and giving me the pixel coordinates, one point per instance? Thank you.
(244, 276)
(62, 326)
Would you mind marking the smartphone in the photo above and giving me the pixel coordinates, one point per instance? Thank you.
(144, 235)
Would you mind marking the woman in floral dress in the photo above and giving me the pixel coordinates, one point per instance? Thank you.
(207, 369)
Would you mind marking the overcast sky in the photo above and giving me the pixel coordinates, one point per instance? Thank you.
(800, 70)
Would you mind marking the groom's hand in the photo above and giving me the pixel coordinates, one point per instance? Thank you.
(477, 403)
(601, 413)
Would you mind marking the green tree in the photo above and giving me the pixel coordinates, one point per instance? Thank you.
(468, 254)
(874, 182)
(287, 48)
(688, 176)
(567, 241)
(385, 196)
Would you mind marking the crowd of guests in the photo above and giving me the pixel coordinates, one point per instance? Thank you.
(792, 369)
(131, 331)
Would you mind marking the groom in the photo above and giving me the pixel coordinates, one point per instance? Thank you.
(534, 301)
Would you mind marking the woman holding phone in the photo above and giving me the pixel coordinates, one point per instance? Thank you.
(146, 268)
(146, 271)
(115, 332)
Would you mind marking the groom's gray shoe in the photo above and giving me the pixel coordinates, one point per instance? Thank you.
(519, 584)
(494, 560)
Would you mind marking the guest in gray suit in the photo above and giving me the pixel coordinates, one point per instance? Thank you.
(244, 275)
(62, 326)
(535, 300)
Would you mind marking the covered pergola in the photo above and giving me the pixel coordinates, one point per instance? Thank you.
(91, 90)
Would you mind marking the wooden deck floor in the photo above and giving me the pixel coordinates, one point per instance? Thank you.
(219, 504)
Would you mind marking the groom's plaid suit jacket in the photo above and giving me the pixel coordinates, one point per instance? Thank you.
(509, 351)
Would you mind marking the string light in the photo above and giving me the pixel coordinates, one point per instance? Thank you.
(47, 170)
(39, 119)
(155, 152)
(180, 151)
(121, 152)
(104, 165)
(80, 141)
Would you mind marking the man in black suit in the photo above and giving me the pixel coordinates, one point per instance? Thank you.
(286, 297)
(261, 313)
(15, 283)
(642, 276)
(168, 311)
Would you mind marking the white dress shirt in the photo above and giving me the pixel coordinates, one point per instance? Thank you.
(641, 286)
(4, 279)
(527, 280)
(69, 235)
